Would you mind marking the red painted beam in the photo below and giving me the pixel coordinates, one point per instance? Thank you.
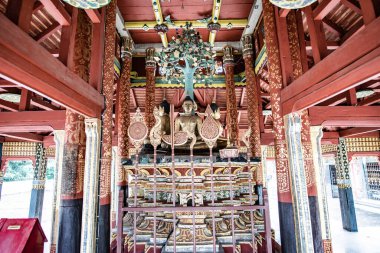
(368, 11)
(345, 116)
(24, 136)
(324, 8)
(373, 99)
(8, 105)
(354, 62)
(37, 102)
(351, 4)
(94, 15)
(357, 131)
(283, 13)
(31, 66)
(32, 121)
(57, 10)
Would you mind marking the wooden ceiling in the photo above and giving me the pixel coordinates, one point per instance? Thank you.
(184, 10)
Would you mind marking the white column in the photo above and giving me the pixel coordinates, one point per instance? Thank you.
(302, 222)
(264, 164)
(91, 185)
(59, 138)
(114, 188)
(316, 135)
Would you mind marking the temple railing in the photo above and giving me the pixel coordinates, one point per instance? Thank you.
(262, 240)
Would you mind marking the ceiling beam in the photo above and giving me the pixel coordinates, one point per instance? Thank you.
(354, 29)
(24, 136)
(57, 10)
(224, 23)
(351, 4)
(370, 100)
(357, 130)
(359, 60)
(324, 8)
(253, 18)
(345, 116)
(368, 11)
(32, 121)
(8, 105)
(159, 20)
(214, 19)
(31, 66)
(333, 27)
(37, 102)
(46, 34)
(94, 15)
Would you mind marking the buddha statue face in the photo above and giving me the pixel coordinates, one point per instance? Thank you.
(161, 111)
(188, 107)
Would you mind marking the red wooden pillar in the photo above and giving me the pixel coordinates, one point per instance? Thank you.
(288, 240)
(70, 217)
(253, 97)
(123, 110)
(106, 146)
(150, 67)
(232, 114)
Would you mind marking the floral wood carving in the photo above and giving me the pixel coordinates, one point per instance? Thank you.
(137, 130)
(155, 133)
(210, 130)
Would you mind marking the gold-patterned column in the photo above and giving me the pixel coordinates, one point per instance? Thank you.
(288, 240)
(232, 124)
(252, 95)
(75, 144)
(150, 67)
(275, 85)
(123, 110)
(106, 146)
(253, 104)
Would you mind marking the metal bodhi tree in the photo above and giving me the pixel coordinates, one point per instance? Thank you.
(187, 59)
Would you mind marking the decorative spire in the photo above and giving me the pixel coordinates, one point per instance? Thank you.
(228, 57)
(127, 47)
(149, 58)
(246, 42)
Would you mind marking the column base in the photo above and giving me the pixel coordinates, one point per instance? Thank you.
(70, 223)
(36, 203)
(315, 224)
(288, 234)
(347, 209)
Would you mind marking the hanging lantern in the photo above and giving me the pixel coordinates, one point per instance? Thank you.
(88, 4)
(292, 4)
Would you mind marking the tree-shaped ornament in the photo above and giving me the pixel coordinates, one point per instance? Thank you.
(187, 59)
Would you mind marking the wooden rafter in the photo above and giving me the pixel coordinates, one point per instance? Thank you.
(46, 34)
(25, 100)
(8, 105)
(359, 60)
(357, 130)
(37, 102)
(24, 136)
(31, 66)
(20, 12)
(333, 27)
(94, 15)
(351, 4)
(324, 8)
(368, 11)
(373, 99)
(32, 121)
(57, 11)
(345, 116)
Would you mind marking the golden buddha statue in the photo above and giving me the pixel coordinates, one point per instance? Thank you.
(163, 112)
(188, 122)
